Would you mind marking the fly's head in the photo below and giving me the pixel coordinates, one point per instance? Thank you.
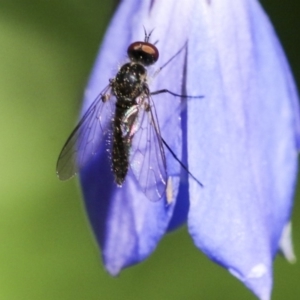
(144, 53)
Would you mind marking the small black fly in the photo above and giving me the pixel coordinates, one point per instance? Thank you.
(125, 110)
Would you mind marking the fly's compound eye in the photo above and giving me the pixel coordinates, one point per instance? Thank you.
(143, 53)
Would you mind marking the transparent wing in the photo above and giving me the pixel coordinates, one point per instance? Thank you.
(147, 157)
(87, 136)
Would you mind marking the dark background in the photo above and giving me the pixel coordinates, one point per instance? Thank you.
(47, 250)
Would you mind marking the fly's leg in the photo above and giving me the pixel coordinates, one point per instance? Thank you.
(174, 94)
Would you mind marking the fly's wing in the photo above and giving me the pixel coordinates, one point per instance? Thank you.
(147, 157)
(85, 139)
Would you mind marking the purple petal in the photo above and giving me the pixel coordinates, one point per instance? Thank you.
(286, 244)
(127, 225)
(242, 139)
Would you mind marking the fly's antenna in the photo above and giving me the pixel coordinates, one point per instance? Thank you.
(147, 35)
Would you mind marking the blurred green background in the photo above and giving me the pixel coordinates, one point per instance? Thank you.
(47, 250)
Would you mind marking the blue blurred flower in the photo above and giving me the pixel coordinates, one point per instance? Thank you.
(240, 140)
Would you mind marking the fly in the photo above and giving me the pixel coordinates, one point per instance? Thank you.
(125, 110)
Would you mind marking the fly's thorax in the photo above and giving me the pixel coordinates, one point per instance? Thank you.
(130, 82)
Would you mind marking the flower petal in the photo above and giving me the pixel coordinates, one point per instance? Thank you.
(127, 225)
(286, 244)
(242, 139)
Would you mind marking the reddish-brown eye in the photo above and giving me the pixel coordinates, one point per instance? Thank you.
(143, 52)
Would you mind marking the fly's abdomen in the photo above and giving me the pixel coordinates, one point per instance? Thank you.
(120, 149)
(125, 127)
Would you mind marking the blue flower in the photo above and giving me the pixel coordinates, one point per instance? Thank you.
(240, 141)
